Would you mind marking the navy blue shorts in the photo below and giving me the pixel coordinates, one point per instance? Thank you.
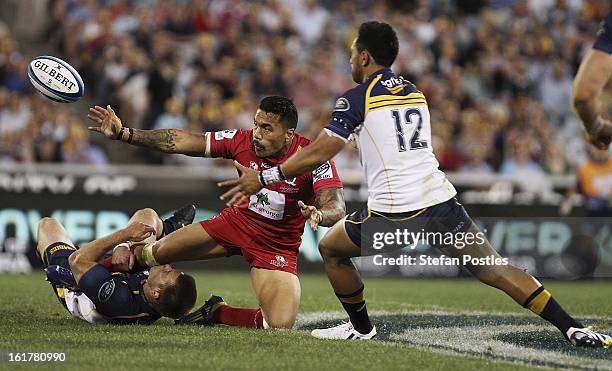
(446, 217)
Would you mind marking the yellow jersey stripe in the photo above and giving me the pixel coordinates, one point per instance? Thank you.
(368, 91)
(397, 101)
(396, 89)
(399, 105)
(379, 98)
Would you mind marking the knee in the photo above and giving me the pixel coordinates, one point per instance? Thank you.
(325, 249)
(147, 211)
(280, 322)
(47, 224)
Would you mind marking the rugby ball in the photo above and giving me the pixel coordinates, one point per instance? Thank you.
(56, 79)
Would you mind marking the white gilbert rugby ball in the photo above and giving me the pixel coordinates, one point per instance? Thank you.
(56, 79)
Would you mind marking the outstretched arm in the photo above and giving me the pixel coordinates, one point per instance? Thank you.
(163, 140)
(323, 149)
(306, 159)
(594, 73)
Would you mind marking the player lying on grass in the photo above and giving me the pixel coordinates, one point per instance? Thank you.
(266, 229)
(390, 119)
(89, 290)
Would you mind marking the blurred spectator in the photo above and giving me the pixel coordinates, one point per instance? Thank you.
(595, 182)
(476, 160)
(173, 115)
(204, 65)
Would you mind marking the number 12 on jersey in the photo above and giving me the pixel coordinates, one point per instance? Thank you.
(409, 116)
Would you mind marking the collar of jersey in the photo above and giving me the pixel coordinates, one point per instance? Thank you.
(374, 74)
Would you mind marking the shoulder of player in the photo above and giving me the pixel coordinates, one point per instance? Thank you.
(302, 141)
(351, 99)
(232, 134)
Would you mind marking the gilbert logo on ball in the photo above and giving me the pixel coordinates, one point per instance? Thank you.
(56, 79)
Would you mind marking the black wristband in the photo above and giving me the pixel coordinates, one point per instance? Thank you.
(120, 135)
(280, 172)
(130, 135)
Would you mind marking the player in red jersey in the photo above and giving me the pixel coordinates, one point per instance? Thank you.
(265, 229)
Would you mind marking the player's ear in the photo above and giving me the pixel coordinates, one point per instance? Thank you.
(365, 58)
(155, 293)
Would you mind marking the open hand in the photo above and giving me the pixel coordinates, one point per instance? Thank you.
(138, 231)
(244, 186)
(109, 123)
(312, 215)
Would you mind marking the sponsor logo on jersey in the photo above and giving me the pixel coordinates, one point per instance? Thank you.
(106, 290)
(279, 261)
(225, 134)
(323, 172)
(262, 198)
(270, 204)
(342, 104)
(393, 81)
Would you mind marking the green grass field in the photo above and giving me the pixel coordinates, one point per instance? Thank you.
(424, 324)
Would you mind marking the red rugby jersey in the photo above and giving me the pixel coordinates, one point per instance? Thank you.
(273, 213)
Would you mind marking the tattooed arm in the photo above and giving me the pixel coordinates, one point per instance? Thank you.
(329, 207)
(172, 141)
(164, 140)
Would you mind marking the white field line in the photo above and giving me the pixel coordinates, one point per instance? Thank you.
(475, 341)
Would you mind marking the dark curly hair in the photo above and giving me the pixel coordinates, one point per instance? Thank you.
(380, 40)
(283, 107)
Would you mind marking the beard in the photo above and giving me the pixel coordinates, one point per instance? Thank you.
(357, 74)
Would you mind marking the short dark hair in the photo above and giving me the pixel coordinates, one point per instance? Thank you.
(380, 40)
(283, 107)
(177, 299)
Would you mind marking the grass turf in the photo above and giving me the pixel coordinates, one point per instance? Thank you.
(31, 320)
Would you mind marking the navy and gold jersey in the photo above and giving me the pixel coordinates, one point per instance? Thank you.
(390, 121)
(118, 297)
(604, 36)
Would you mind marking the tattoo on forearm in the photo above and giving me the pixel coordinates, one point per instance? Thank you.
(163, 140)
(330, 201)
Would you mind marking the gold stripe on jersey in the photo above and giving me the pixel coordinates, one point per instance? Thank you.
(397, 101)
(396, 89)
(380, 98)
(368, 91)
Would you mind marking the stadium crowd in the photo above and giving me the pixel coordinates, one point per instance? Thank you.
(497, 74)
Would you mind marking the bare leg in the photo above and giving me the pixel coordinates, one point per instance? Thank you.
(337, 249)
(278, 294)
(50, 231)
(191, 242)
(149, 217)
(515, 282)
